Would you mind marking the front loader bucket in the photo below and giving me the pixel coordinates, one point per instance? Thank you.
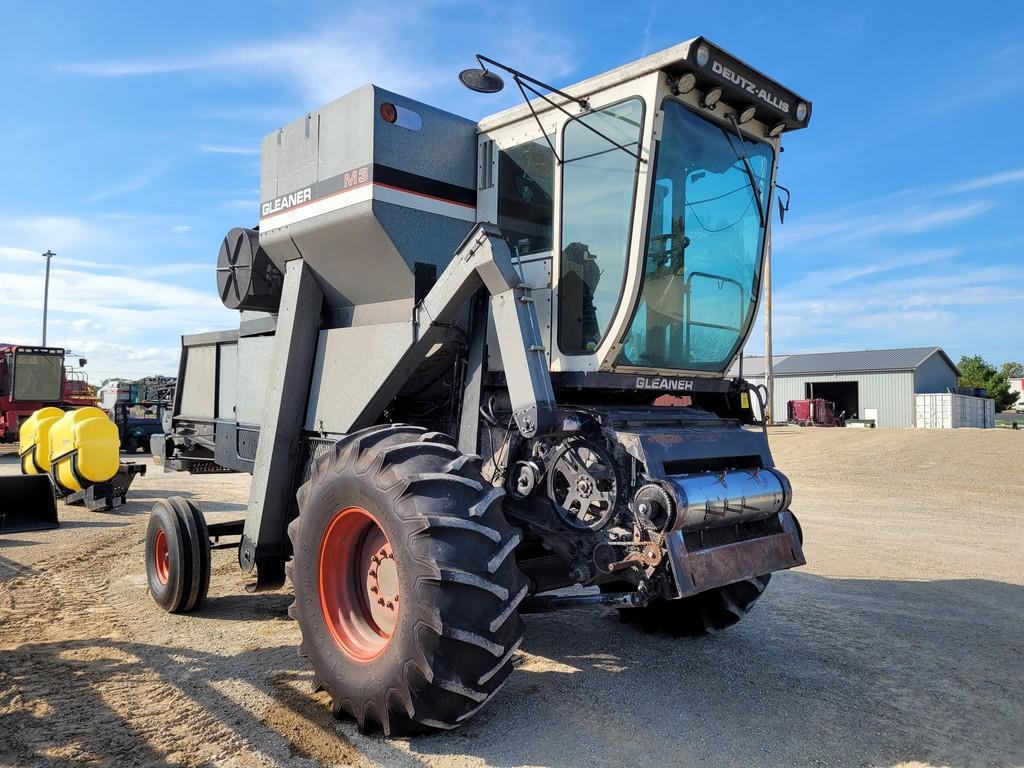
(27, 503)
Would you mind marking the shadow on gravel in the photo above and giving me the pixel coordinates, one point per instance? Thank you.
(17, 543)
(103, 520)
(264, 606)
(822, 672)
(148, 496)
(9, 569)
(73, 709)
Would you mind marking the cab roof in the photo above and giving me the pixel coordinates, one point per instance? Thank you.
(741, 84)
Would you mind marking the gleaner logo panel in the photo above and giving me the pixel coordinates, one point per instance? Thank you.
(664, 383)
(377, 175)
(285, 202)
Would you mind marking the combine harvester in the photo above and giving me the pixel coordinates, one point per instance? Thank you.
(451, 339)
(36, 377)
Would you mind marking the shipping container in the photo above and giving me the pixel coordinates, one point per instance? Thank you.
(948, 411)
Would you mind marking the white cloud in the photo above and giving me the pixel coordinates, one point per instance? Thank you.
(268, 116)
(86, 324)
(985, 182)
(396, 46)
(176, 268)
(139, 180)
(956, 308)
(35, 234)
(10, 255)
(218, 149)
(863, 275)
(250, 204)
(842, 227)
(870, 264)
(181, 228)
(125, 325)
(126, 318)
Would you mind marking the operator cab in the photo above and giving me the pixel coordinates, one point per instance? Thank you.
(641, 220)
(31, 374)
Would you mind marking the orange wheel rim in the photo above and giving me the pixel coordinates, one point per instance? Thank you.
(359, 586)
(161, 558)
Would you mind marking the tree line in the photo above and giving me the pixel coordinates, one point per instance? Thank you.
(975, 371)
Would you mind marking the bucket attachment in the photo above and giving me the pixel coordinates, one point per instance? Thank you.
(27, 503)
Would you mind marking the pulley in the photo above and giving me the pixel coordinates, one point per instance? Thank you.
(246, 277)
(583, 484)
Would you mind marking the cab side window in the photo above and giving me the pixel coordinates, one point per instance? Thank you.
(598, 189)
(526, 175)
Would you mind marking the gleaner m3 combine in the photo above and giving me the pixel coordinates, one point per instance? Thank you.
(479, 363)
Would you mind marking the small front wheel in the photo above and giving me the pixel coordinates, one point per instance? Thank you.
(177, 555)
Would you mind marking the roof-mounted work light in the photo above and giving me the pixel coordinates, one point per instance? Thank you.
(746, 115)
(776, 130)
(684, 84)
(711, 98)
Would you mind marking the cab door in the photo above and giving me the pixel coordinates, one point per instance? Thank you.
(601, 219)
(517, 190)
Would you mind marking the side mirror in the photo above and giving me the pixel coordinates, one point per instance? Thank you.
(783, 206)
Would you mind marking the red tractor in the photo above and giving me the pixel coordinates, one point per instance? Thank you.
(32, 378)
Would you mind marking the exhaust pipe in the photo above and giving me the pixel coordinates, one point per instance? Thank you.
(712, 499)
(27, 503)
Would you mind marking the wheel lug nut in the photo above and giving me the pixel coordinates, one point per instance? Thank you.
(380, 601)
(391, 606)
(374, 590)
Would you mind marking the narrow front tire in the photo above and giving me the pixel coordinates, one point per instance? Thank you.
(177, 555)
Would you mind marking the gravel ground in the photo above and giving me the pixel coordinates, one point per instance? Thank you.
(900, 643)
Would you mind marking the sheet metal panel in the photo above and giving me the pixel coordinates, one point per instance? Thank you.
(200, 381)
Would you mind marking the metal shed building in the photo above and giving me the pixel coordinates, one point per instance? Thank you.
(884, 381)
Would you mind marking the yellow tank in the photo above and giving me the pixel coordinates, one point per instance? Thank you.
(84, 449)
(34, 440)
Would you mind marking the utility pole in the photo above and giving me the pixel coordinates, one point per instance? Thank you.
(768, 385)
(46, 291)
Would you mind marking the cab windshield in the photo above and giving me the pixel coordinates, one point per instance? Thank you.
(703, 261)
(37, 377)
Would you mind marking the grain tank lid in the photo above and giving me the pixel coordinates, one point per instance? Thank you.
(741, 85)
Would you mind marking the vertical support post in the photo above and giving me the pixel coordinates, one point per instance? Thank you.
(769, 416)
(469, 424)
(284, 410)
(46, 291)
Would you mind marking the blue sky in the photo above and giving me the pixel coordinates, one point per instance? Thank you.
(131, 136)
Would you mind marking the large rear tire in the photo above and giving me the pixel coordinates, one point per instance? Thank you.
(406, 585)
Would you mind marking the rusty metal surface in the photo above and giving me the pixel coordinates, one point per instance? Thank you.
(699, 570)
(662, 438)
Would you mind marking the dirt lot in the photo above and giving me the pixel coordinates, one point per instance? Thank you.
(901, 642)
